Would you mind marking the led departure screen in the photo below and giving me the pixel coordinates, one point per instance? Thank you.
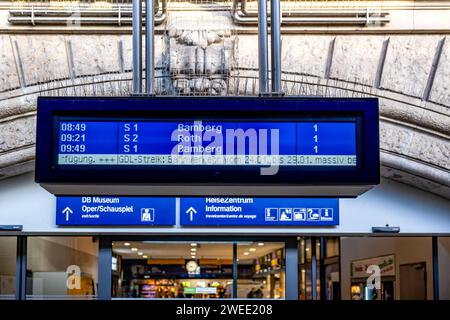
(206, 143)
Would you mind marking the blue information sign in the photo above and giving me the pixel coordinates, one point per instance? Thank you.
(216, 211)
(119, 211)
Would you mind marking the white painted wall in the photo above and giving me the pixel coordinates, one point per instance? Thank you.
(23, 202)
(406, 250)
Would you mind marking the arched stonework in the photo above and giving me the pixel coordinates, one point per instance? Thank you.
(409, 73)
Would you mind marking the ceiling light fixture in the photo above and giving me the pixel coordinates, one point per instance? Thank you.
(127, 244)
(134, 249)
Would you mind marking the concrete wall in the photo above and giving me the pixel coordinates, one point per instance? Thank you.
(406, 249)
(416, 212)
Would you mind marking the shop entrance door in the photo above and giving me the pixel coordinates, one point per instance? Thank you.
(198, 269)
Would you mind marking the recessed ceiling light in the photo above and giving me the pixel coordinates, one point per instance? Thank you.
(246, 253)
(140, 253)
(127, 244)
(193, 249)
(260, 244)
(193, 244)
(307, 249)
(134, 249)
(252, 249)
(145, 257)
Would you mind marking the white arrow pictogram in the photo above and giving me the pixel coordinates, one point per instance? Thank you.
(67, 211)
(191, 211)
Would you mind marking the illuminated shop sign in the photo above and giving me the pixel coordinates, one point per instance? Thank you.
(385, 263)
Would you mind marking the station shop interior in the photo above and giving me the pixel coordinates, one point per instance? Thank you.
(150, 269)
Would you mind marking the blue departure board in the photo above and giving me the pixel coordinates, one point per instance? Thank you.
(207, 146)
(206, 143)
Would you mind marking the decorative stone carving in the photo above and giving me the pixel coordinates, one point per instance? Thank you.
(200, 61)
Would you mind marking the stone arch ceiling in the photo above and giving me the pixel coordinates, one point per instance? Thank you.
(409, 73)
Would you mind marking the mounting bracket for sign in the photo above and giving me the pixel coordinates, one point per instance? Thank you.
(204, 146)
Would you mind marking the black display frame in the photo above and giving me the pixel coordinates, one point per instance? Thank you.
(364, 110)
